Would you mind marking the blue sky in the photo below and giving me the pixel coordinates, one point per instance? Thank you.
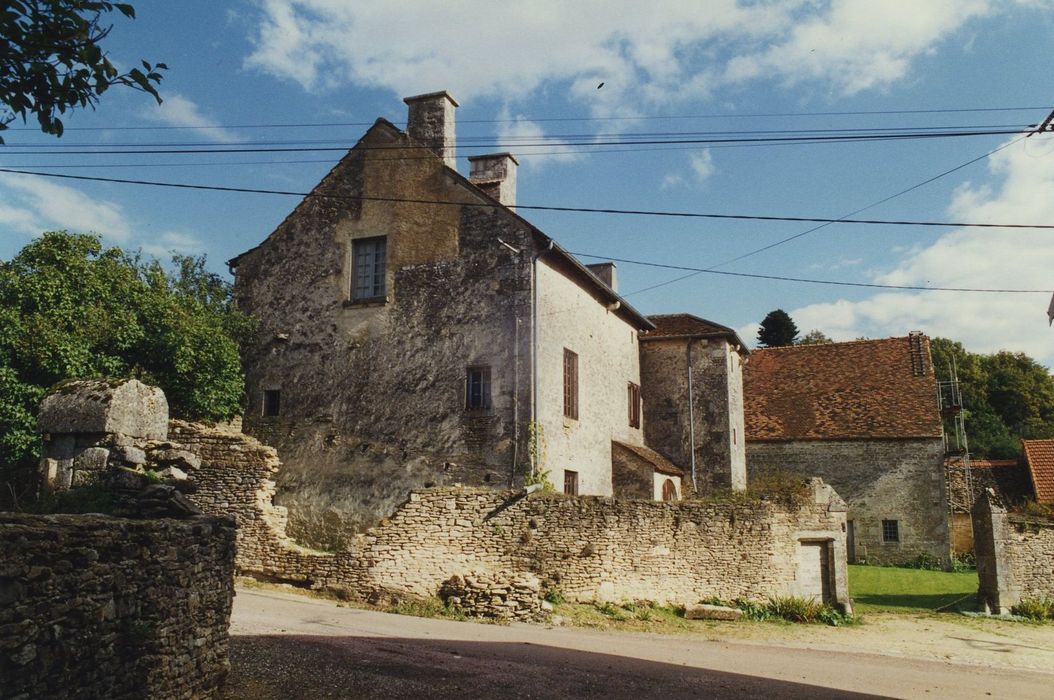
(530, 71)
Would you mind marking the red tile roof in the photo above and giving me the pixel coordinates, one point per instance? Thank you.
(1040, 457)
(838, 391)
(674, 325)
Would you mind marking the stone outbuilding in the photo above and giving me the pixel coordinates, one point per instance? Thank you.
(864, 417)
(416, 331)
(1007, 480)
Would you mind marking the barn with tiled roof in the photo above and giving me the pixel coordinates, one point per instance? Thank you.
(864, 416)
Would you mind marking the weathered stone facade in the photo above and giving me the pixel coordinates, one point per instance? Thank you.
(589, 548)
(1015, 555)
(716, 405)
(99, 607)
(1008, 479)
(873, 476)
(368, 397)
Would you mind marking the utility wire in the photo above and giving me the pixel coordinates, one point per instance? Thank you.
(505, 145)
(300, 125)
(536, 207)
(844, 219)
(902, 287)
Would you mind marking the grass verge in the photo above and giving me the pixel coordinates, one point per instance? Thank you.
(877, 589)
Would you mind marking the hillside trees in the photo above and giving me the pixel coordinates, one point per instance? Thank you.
(70, 308)
(1007, 396)
(52, 60)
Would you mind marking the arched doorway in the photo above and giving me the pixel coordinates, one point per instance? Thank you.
(669, 490)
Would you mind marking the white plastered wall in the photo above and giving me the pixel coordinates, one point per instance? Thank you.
(608, 360)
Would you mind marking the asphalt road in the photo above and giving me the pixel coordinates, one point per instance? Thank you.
(287, 646)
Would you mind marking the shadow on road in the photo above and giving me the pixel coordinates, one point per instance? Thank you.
(272, 667)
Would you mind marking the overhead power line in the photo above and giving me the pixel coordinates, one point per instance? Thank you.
(900, 287)
(504, 145)
(534, 207)
(756, 115)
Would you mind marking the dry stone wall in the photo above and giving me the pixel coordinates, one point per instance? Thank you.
(100, 607)
(590, 548)
(1015, 554)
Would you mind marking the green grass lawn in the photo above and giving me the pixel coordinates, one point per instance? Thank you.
(888, 589)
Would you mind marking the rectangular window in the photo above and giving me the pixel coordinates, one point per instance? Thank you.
(272, 402)
(368, 265)
(634, 405)
(570, 384)
(570, 483)
(890, 531)
(477, 389)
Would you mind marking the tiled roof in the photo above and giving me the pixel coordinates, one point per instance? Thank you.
(861, 389)
(661, 464)
(671, 325)
(1040, 457)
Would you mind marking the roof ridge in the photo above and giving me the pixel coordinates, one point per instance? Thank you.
(835, 342)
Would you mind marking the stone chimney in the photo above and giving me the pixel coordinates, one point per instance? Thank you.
(606, 272)
(495, 174)
(430, 120)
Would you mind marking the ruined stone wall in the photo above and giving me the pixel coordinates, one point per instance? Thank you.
(717, 394)
(589, 548)
(92, 606)
(900, 480)
(1015, 555)
(373, 394)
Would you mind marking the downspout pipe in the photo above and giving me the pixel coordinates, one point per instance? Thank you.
(691, 417)
(534, 353)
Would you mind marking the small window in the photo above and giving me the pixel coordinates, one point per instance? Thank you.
(890, 531)
(570, 483)
(368, 265)
(570, 384)
(634, 405)
(477, 389)
(272, 402)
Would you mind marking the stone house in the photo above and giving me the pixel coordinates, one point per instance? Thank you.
(1039, 456)
(864, 417)
(416, 331)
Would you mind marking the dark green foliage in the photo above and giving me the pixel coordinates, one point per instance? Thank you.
(1006, 396)
(815, 337)
(52, 61)
(777, 330)
(1037, 609)
(71, 309)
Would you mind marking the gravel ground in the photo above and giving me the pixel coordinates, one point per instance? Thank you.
(288, 646)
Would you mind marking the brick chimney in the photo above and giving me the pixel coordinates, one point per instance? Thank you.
(495, 174)
(430, 120)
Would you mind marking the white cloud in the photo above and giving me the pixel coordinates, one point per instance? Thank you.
(644, 53)
(35, 205)
(173, 242)
(177, 110)
(702, 164)
(987, 258)
(670, 181)
(528, 142)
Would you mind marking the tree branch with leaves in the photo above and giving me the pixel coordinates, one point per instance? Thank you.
(52, 60)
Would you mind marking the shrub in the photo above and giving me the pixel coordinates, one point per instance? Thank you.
(1035, 608)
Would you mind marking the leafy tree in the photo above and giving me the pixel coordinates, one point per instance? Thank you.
(70, 308)
(814, 337)
(1006, 396)
(777, 330)
(52, 60)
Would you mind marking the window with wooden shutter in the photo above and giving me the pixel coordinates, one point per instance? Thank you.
(477, 389)
(634, 405)
(570, 483)
(570, 384)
